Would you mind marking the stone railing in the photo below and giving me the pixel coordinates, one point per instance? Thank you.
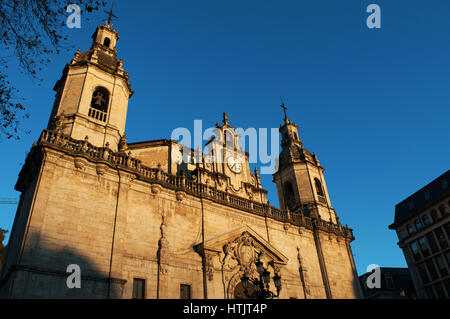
(56, 139)
(97, 114)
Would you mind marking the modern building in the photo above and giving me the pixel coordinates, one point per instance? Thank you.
(394, 283)
(157, 220)
(422, 223)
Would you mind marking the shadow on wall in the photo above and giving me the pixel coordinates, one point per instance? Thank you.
(42, 272)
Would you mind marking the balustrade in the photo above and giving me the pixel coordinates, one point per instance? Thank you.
(56, 138)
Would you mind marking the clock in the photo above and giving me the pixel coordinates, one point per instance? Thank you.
(177, 156)
(234, 164)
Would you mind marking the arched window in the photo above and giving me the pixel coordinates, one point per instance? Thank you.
(289, 196)
(99, 104)
(107, 42)
(319, 188)
(229, 138)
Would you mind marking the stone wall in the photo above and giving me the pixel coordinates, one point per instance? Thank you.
(109, 223)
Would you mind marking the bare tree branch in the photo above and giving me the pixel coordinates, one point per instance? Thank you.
(31, 31)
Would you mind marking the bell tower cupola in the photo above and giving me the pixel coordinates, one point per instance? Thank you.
(93, 93)
(299, 178)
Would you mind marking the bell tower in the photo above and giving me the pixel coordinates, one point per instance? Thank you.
(300, 180)
(93, 92)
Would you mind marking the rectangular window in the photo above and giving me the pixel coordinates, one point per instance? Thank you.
(430, 292)
(447, 286)
(432, 242)
(426, 219)
(432, 269)
(418, 224)
(439, 290)
(423, 247)
(423, 273)
(185, 291)
(441, 266)
(138, 288)
(389, 281)
(447, 229)
(441, 238)
(410, 229)
(415, 250)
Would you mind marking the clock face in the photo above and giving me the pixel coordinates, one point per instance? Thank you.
(177, 156)
(234, 164)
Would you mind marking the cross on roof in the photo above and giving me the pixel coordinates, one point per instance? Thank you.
(283, 107)
(110, 14)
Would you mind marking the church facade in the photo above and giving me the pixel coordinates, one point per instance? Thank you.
(140, 222)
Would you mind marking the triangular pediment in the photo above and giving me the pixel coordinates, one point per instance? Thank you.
(219, 243)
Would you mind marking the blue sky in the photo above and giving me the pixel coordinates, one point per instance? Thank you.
(372, 103)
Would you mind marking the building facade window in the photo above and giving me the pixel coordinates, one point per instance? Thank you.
(439, 291)
(423, 273)
(441, 266)
(441, 238)
(432, 242)
(447, 229)
(447, 286)
(389, 280)
(447, 256)
(185, 291)
(426, 220)
(423, 247)
(410, 228)
(432, 269)
(319, 188)
(138, 288)
(418, 224)
(430, 292)
(427, 195)
(415, 250)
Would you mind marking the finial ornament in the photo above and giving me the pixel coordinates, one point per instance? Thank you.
(225, 118)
